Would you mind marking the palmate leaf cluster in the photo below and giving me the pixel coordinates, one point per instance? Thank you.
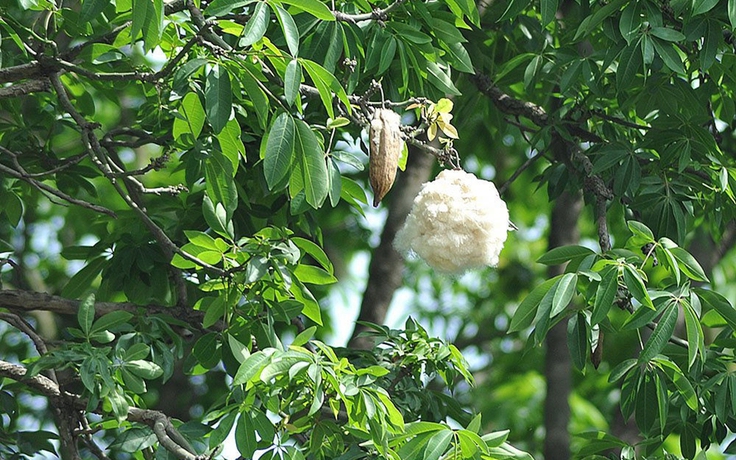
(197, 160)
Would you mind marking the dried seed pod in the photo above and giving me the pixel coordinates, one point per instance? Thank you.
(386, 146)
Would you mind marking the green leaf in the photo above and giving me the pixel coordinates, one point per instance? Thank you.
(669, 55)
(135, 439)
(564, 290)
(630, 22)
(311, 308)
(440, 79)
(414, 449)
(590, 23)
(409, 33)
(292, 81)
(695, 338)
(334, 182)
(524, 314)
(192, 118)
(646, 402)
(577, 340)
(732, 13)
(314, 7)
(635, 285)
(336, 47)
(387, 55)
(220, 183)
(231, 145)
(216, 217)
(311, 156)
(144, 369)
(711, 42)
(137, 351)
(437, 444)
(110, 320)
(223, 7)
(91, 9)
(513, 8)
(605, 294)
(667, 34)
(132, 382)
(622, 369)
(688, 265)
(703, 6)
(304, 336)
(12, 205)
(218, 97)
(207, 350)
(257, 97)
(310, 274)
(660, 335)
(83, 279)
(549, 10)
(245, 436)
(221, 432)
(630, 63)
(291, 32)
(256, 26)
(683, 385)
(86, 314)
(215, 311)
(720, 304)
(326, 84)
(279, 150)
(315, 252)
(564, 254)
(458, 56)
(251, 368)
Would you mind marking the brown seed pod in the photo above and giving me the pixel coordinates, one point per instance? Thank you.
(386, 145)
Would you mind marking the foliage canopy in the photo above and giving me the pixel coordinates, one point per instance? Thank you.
(186, 180)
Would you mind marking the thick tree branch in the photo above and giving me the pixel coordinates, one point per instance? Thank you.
(27, 301)
(512, 106)
(22, 89)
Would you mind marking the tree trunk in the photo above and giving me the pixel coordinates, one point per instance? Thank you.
(557, 369)
(385, 270)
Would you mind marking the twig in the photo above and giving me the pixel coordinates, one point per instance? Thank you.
(375, 15)
(529, 161)
(618, 121)
(22, 175)
(22, 325)
(201, 23)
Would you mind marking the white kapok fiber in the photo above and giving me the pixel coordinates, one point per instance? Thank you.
(457, 223)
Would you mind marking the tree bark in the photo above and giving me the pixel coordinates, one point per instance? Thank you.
(386, 266)
(557, 368)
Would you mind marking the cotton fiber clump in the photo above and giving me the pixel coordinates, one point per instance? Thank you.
(457, 222)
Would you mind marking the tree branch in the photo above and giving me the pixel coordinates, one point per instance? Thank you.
(167, 435)
(23, 175)
(27, 301)
(22, 89)
(375, 15)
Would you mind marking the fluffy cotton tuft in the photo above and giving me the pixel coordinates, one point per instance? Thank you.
(457, 222)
